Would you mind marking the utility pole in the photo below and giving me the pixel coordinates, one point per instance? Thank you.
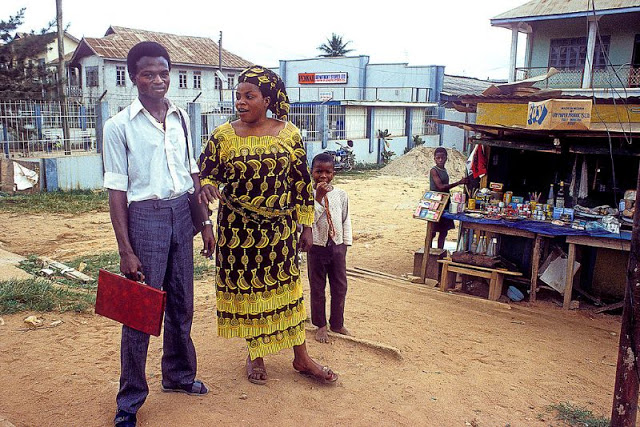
(62, 81)
(625, 393)
(220, 66)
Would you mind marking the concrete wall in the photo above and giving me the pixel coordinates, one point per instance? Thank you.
(74, 172)
(360, 149)
(398, 77)
(51, 51)
(453, 137)
(354, 66)
(431, 140)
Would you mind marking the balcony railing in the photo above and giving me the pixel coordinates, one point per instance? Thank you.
(319, 94)
(611, 76)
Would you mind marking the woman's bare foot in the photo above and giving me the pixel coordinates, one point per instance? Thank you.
(322, 335)
(304, 364)
(256, 372)
(342, 331)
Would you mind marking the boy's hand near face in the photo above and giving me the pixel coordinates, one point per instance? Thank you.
(322, 188)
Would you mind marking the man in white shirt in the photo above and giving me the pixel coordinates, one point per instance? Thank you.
(327, 257)
(149, 172)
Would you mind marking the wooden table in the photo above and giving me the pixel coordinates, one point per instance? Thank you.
(509, 231)
(538, 237)
(594, 242)
(494, 275)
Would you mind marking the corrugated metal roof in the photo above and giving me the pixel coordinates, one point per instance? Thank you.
(542, 96)
(561, 7)
(458, 85)
(182, 49)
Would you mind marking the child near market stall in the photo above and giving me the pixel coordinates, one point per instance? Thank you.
(327, 256)
(439, 181)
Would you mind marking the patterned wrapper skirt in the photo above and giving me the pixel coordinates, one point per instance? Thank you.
(258, 288)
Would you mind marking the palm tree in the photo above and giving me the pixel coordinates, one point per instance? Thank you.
(334, 46)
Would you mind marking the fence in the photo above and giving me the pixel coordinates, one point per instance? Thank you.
(305, 117)
(423, 123)
(617, 76)
(34, 129)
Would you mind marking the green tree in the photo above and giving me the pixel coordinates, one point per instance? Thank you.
(21, 75)
(384, 147)
(334, 46)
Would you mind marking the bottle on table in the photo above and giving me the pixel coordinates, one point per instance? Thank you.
(560, 196)
(493, 246)
(474, 244)
(551, 196)
(482, 245)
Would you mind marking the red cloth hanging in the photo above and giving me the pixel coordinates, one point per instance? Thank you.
(477, 162)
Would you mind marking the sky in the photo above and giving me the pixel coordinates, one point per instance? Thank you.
(453, 33)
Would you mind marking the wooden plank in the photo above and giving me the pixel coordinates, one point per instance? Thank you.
(470, 272)
(446, 277)
(584, 293)
(600, 242)
(568, 287)
(427, 246)
(610, 307)
(476, 267)
(379, 273)
(535, 264)
(495, 285)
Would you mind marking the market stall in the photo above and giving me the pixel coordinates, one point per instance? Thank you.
(553, 189)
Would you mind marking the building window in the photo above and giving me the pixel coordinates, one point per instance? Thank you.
(391, 119)
(571, 54)
(121, 76)
(92, 76)
(197, 80)
(231, 81)
(217, 83)
(182, 79)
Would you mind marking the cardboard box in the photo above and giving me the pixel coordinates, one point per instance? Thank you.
(560, 114)
(433, 267)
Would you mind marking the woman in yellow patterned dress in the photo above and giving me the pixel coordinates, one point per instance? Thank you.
(256, 166)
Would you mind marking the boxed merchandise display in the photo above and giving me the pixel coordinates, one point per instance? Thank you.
(560, 114)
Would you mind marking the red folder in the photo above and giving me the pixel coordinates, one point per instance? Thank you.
(131, 303)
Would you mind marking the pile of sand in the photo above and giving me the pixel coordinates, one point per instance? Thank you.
(419, 161)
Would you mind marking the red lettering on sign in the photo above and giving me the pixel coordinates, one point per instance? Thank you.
(306, 78)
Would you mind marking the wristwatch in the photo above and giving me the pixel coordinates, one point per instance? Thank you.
(207, 222)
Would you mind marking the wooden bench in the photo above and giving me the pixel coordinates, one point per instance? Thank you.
(495, 276)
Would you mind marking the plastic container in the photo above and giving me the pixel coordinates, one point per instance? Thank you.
(514, 294)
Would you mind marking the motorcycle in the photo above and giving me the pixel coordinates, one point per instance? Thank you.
(343, 158)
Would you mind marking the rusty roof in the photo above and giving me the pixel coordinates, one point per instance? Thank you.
(182, 49)
(543, 95)
(545, 8)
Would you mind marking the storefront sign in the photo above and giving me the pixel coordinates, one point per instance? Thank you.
(322, 78)
(326, 96)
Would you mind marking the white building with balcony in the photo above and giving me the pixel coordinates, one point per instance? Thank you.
(594, 45)
(100, 67)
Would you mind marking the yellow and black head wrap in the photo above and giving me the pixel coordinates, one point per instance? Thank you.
(271, 85)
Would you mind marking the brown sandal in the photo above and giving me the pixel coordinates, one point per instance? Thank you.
(253, 370)
(328, 376)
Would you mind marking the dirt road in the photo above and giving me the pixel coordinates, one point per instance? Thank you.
(464, 360)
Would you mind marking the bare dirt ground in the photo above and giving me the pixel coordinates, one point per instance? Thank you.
(465, 360)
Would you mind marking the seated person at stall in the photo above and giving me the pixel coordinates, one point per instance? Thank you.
(439, 181)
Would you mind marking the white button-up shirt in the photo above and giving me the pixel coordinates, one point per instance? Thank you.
(339, 211)
(145, 158)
